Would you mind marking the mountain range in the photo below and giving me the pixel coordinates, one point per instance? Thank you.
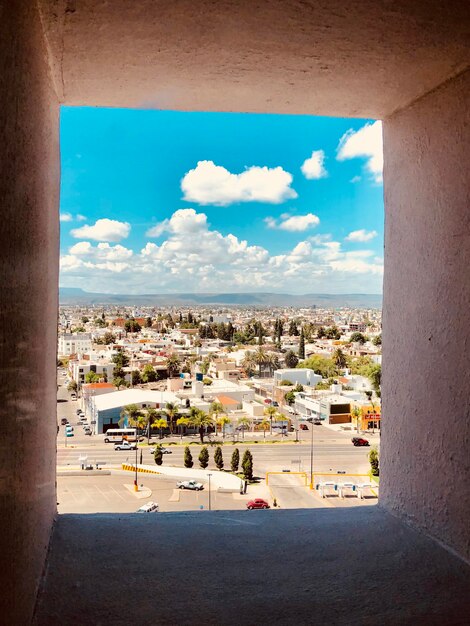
(74, 295)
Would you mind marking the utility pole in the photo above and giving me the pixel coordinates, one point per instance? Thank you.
(136, 487)
(311, 455)
(210, 491)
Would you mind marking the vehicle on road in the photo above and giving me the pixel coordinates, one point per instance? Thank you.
(162, 449)
(68, 433)
(317, 421)
(150, 507)
(63, 421)
(79, 411)
(68, 428)
(190, 484)
(303, 427)
(275, 403)
(360, 441)
(257, 503)
(87, 431)
(73, 396)
(125, 445)
(118, 435)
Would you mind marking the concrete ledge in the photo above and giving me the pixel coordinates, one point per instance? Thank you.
(83, 473)
(335, 567)
(219, 480)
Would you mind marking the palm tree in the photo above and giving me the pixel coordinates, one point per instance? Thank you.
(280, 417)
(249, 363)
(243, 421)
(200, 420)
(173, 364)
(171, 410)
(151, 416)
(180, 422)
(261, 358)
(215, 409)
(223, 421)
(339, 359)
(270, 411)
(272, 360)
(161, 424)
(264, 425)
(130, 413)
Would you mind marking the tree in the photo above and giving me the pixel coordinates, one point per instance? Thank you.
(357, 338)
(218, 458)
(130, 413)
(291, 359)
(333, 333)
(249, 363)
(161, 424)
(320, 365)
(200, 420)
(182, 422)
(235, 461)
(375, 376)
(85, 319)
(223, 421)
(289, 397)
(171, 410)
(374, 461)
(120, 361)
(72, 386)
(377, 341)
(158, 455)
(204, 457)
(356, 412)
(173, 364)
(108, 338)
(150, 417)
(148, 322)
(270, 411)
(118, 382)
(216, 408)
(293, 330)
(136, 378)
(247, 465)
(339, 358)
(132, 326)
(298, 388)
(302, 344)
(188, 458)
(285, 382)
(244, 423)
(265, 425)
(148, 374)
(92, 377)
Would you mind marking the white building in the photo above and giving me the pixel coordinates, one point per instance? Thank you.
(71, 343)
(306, 377)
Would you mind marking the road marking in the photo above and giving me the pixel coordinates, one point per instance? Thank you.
(175, 496)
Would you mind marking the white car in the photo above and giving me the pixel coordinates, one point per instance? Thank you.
(190, 484)
(164, 450)
(150, 507)
(125, 445)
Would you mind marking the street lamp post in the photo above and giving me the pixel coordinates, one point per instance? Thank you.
(210, 491)
(311, 455)
(136, 487)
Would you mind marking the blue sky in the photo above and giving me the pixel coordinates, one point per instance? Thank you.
(161, 201)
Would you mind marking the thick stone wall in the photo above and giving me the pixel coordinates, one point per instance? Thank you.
(29, 240)
(426, 340)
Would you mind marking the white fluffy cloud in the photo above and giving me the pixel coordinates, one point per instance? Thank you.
(294, 223)
(195, 257)
(313, 167)
(68, 217)
(103, 230)
(361, 235)
(209, 183)
(365, 143)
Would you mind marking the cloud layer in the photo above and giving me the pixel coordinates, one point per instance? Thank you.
(294, 223)
(313, 167)
(103, 230)
(195, 257)
(209, 183)
(364, 143)
(361, 235)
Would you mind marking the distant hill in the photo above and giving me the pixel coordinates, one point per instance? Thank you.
(73, 295)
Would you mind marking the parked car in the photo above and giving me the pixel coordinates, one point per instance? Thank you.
(190, 484)
(68, 428)
(87, 431)
(63, 421)
(267, 401)
(275, 403)
(303, 427)
(257, 503)
(125, 445)
(79, 411)
(359, 441)
(150, 507)
(164, 450)
(68, 433)
(317, 421)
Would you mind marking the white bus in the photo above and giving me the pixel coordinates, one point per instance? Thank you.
(118, 435)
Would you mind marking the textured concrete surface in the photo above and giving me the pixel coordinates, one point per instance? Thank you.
(29, 246)
(322, 57)
(425, 459)
(335, 567)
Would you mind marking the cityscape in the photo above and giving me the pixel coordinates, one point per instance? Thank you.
(195, 407)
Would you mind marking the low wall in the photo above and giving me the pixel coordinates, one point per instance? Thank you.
(220, 480)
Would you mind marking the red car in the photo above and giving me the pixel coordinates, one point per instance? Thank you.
(258, 503)
(359, 441)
